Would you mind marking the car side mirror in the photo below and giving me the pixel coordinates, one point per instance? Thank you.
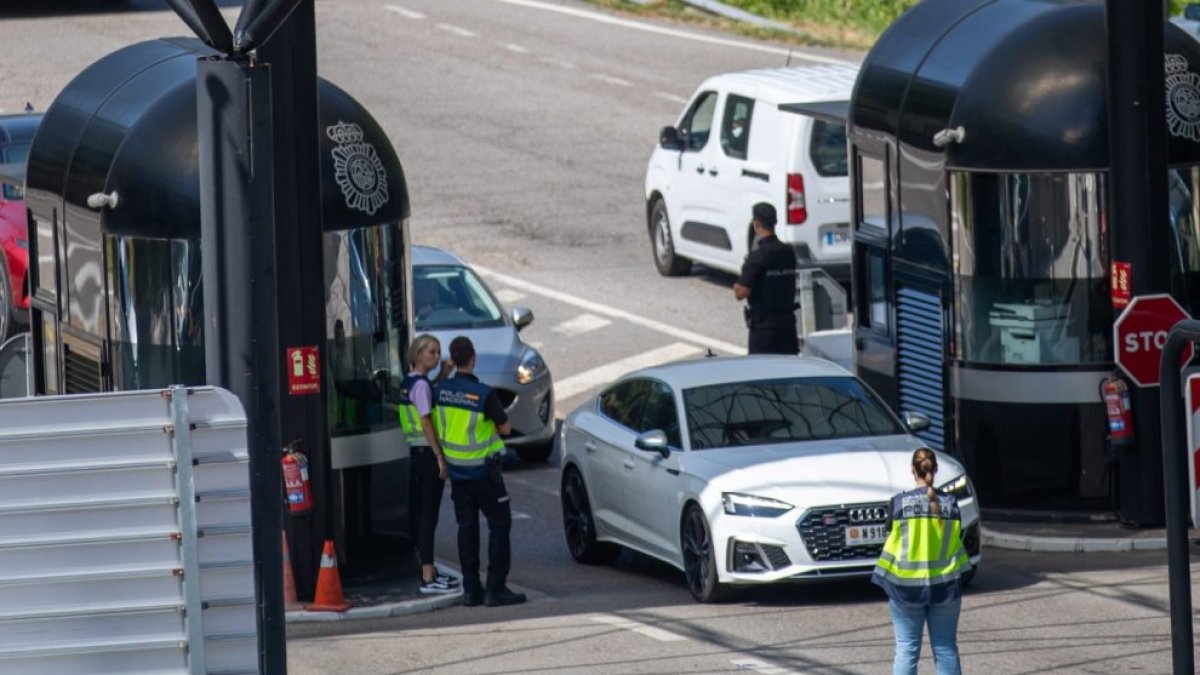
(522, 316)
(670, 139)
(653, 441)
(915, 421)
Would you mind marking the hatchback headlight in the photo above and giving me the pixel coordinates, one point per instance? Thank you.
(531, 367)
(737, 504)
(960, 487)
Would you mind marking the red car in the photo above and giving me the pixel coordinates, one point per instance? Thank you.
(16, 133)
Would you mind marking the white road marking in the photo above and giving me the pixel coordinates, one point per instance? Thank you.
(536, 344)
(508, 295)
(670, 97)
(671, 32)
(457, 30)
(760, 667)
(581, 382)
(406, 13)
(517, 515)
(638, 627)
(513, 47)
(609, 79)
(597, 308)
(580, 325)
(559, 62)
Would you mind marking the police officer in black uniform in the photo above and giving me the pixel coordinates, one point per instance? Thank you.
(768, 282)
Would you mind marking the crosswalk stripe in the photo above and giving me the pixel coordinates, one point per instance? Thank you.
(508, 295)
(407, 13)
(457, 30)
(597, 308)
(579, 383)
(580, 325)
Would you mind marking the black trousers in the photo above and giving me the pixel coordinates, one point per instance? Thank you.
(425, 500)
(774, 334)
(489, 496)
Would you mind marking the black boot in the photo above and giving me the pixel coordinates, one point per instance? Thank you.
(501, 597)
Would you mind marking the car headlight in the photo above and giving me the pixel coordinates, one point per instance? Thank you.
(737, 504)
(960, 487)
(531, 367)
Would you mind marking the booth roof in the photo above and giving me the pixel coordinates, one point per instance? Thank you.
(1025, 79)
(127, 123)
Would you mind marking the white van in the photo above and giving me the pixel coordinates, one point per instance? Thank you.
(774, 135)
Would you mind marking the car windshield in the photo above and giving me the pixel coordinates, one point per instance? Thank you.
(448, 297)
(784, 411)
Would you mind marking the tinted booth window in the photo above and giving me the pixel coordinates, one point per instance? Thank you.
(1031, 287)
(364, 327)
(1184, 204)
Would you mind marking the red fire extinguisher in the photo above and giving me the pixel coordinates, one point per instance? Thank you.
(1119, 409)
(295, 480)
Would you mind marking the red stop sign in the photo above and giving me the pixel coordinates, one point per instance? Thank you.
(1140, 334)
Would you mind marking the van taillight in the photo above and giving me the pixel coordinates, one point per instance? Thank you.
(797, 213)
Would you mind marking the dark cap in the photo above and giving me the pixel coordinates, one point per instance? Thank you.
(764, 213)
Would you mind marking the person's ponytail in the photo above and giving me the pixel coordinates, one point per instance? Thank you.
(924, 464)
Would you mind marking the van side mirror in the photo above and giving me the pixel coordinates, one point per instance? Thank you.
(653, 441)
(670, 139)
(1191, 11)
(915, 421)
(521, 317)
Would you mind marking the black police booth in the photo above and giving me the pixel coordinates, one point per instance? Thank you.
(113, 194)
(983, 239)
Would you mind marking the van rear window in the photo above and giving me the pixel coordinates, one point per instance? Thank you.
(828, 149)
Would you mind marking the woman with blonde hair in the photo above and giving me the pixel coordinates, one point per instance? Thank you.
(428, 468)
(921, 569)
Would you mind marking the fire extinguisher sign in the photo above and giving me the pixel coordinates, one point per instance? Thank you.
(1192, 394)
(303, 371)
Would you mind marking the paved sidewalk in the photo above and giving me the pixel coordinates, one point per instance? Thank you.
(1073, 533)
(384, 597)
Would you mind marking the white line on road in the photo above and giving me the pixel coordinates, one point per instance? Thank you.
(406, 13)
(609, 79)
(671, 32)
(513, 47)
(457, 30)
(530, 485)
(597, 308)
(580, 325)
(577, 384)
(559, 62)
(670, 97)
(760, 667)
(638, 627)
(508, 295)
(519, 515)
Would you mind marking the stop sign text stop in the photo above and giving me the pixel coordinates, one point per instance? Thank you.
(1140, 334)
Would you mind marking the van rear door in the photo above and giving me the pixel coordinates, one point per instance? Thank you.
(820, 158)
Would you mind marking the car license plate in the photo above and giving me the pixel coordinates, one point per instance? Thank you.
(838, 236)
(865, 535)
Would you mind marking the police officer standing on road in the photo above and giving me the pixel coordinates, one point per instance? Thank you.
(768, 281)
(470, 419)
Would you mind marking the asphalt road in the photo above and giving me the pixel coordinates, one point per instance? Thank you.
(524, 127)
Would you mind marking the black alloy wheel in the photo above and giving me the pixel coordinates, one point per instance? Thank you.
(578, 524)
(668, 263)
(699, 558)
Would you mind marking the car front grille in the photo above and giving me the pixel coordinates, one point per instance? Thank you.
(823, 530)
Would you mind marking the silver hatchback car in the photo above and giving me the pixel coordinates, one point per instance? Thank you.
(449, 300)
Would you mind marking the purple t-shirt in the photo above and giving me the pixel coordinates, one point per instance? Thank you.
(421, 395)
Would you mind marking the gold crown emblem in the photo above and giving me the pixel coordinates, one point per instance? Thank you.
(1175, 64)
(344, 132)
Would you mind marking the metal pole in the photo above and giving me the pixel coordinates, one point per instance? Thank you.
(1175, 478)
(237, 240)
(1138, 216)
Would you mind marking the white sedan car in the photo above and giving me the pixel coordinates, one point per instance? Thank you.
(743, 470)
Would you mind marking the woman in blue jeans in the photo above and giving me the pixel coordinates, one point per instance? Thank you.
(921, 569)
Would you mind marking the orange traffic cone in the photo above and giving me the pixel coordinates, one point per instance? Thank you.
(290, 600)
(329, 584)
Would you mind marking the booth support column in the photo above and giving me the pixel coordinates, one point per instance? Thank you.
(292, 53)
(237, 240)
(1139, 219)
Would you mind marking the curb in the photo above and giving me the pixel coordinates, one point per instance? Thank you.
(1024, 542)
(378, 611)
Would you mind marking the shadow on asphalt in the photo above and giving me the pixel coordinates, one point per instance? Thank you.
(49, 8)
